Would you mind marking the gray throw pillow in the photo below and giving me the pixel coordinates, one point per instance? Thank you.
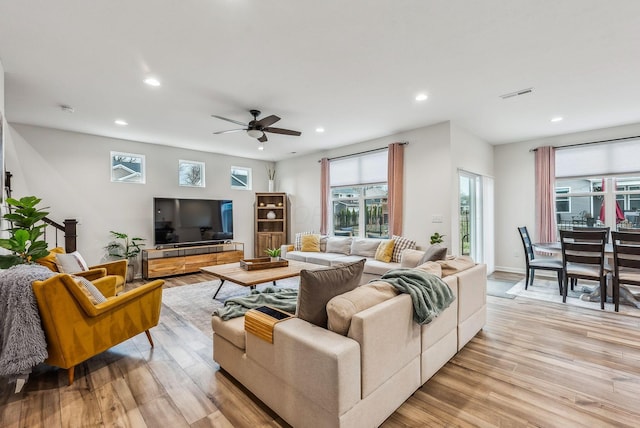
(433, 253)
(317, 287)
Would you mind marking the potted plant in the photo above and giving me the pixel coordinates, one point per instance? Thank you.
(274, 253)
(25, 231)
(123, 247)
(436, 238)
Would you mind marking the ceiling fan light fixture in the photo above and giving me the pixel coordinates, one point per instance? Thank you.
(254, 133)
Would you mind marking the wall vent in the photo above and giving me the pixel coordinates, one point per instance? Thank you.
(517, 93)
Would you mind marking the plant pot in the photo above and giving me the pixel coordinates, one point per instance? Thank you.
(272, 185)
(275, 259)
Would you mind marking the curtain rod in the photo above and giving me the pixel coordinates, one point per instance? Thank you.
(404, 143)
(591, 142)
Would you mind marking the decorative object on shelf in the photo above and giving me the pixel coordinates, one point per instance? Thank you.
(436, 238)
(274, 253)
(191, 173)
(261, 204)
(271, 173)
(128, 249)
(280, 204)
(271, 215)
(271, 205)
(24, 233)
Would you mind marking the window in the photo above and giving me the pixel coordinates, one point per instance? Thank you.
(563, 202)
(127, 168)
(191, 173)
(359, 195)
(240, 178)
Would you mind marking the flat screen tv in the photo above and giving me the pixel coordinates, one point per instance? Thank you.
(191, 221)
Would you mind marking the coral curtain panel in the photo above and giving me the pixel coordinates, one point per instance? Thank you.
(395, 182)
(545, 194)
(324, 195)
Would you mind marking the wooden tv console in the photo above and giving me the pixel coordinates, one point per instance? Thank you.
(176, 261)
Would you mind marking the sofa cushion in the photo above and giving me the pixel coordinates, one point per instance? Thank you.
(321, 258)
(384, 251)
(342, 260)
(319, 286)
(454, 265)
(297, 256)
(310, 243)
(433, 253)
(339, 245)
(376, 267)
(232, 330)
(364, 247)
(71, 263)
(341, 308)
(400, 244)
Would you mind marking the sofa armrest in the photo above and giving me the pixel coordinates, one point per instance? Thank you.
(118, 267)
(92, 274)
(284, 249)
(320, 364)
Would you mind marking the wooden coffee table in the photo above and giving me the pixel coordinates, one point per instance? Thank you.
(250, 278)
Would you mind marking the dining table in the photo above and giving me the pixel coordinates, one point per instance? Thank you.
(555, 248)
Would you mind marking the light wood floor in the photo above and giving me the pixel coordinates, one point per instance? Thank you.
(534, 364)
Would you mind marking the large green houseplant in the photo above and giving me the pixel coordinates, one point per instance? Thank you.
(26, 229)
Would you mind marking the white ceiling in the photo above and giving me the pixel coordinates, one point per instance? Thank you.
(352, 67)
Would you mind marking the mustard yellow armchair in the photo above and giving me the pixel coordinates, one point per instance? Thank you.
(117, 268)
(76, 329)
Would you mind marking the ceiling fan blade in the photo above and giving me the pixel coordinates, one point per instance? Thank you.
(230, 120)
(231, 130)
(263, 138)
(282, 131)
(266, 121)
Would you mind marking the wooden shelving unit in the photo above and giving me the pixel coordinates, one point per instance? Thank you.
(176, 261)
(271, 230)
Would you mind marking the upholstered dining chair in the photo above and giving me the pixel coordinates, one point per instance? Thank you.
(626, 262)
(79, 322)
(532, 263)
(583, 258)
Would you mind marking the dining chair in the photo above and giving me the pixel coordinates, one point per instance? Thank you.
(574, 281)
(626, 262)
(583, 258)
(532, 263)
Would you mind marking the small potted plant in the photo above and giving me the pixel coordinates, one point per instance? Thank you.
(128, 249)
(274, 253)
(436, 238)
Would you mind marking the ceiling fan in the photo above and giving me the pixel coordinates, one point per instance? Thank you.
(257, 128)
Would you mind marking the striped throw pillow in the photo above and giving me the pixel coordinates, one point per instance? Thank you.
(297, 243)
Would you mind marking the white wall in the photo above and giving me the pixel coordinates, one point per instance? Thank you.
(429, 188)
(515, 189)
(71, 173)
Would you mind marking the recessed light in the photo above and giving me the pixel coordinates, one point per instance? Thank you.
(320, 129)
(120, 122)
(261, 147)
(421, 97)
(557, 119)
(152, 81)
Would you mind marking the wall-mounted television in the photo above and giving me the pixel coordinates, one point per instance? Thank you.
(179, 222)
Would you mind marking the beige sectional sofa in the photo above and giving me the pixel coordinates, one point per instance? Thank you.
(315, 377)
(335, 251)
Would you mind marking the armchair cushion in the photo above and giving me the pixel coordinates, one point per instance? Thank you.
(49, 261)
(91, 291)
(71, 263)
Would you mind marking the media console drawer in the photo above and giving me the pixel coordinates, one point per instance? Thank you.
(177, 261)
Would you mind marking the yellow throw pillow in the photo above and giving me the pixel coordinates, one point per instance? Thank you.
(311, 243)
(385, 250)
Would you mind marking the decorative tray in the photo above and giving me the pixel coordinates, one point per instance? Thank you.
(262, 263)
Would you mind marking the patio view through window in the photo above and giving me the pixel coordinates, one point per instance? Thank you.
(360, 211)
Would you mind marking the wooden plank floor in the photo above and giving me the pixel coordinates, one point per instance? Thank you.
(534, 364)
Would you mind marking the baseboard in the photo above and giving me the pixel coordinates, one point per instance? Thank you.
(539, 272)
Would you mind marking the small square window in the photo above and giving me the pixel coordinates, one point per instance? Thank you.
(191, 173)
(240, 178)
(127, 168)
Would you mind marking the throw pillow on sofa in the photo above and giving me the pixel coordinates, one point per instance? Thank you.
(297, 243)
(364, 247)
(339, 245)
(310, 243)
(400, 244)
(385, 251)
(317, 287)
(433, 253)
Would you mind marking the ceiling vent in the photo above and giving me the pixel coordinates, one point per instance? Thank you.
(517, 93)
